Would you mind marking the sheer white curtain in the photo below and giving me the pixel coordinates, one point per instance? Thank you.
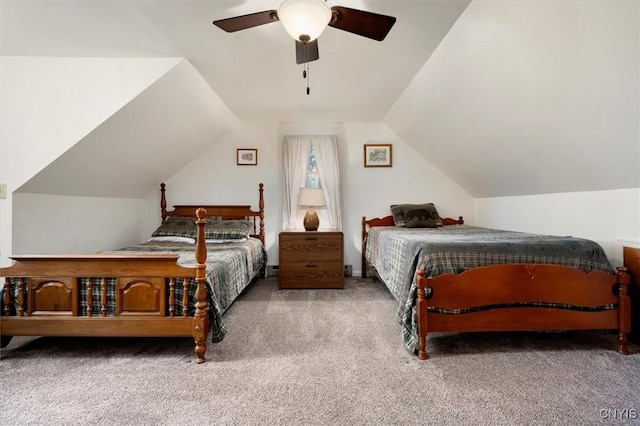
(296, 154)
(326, 149)
(296, 157)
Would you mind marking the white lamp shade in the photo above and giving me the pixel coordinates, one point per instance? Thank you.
(311, 197)
(303, 18)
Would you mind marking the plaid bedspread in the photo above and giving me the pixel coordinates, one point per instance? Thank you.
(230, 269)
(397, 253)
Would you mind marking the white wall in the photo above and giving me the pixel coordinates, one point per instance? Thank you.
(49, 104)
(214, 178)
(370, 191)
(611, 218)
(53, 224)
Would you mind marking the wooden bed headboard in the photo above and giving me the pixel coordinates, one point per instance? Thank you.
(221, 212)
(388, 221)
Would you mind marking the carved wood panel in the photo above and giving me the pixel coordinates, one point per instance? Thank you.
(140, 296)
(52, 296)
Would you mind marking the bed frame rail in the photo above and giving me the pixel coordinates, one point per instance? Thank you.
(523, 297)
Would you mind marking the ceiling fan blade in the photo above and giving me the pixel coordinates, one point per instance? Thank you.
(307, 52)
(244, 22)
(362, 23)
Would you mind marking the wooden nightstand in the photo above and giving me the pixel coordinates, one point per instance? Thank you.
(311, 259)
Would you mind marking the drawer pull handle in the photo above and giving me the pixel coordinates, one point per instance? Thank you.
(311, 265)
(311, 238)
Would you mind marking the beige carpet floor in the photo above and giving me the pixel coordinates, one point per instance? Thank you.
(320, 357)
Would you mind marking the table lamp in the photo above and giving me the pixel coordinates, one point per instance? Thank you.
(311, 198)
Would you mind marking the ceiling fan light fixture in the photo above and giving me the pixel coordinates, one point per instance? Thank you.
(304, 20)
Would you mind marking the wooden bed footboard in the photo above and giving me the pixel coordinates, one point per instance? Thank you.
(523, 297)
(41, 296)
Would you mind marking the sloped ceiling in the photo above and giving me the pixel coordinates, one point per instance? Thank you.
(506, 97)
(147, 140)
(531, 97)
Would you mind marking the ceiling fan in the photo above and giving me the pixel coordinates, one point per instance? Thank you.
(305, 20)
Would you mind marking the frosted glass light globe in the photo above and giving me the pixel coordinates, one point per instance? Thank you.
(304, 20)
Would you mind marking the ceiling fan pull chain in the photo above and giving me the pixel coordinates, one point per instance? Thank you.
(306, 74)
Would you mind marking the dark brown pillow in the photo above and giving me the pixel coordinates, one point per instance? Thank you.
(398, 215)
(416, 215)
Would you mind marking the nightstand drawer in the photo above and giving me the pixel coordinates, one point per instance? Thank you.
(294, 248)
(311, 275)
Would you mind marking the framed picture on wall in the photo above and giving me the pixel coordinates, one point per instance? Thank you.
(247, 157)
(377, 155)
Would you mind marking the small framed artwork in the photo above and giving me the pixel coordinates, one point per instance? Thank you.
(247, 157)
(377, 155)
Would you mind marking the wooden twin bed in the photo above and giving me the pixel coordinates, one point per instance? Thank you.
(167, 287)
(457, 278)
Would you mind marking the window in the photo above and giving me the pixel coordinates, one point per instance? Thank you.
(311, 162)
(313, 180)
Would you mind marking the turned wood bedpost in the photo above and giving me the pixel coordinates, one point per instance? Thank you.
(7, 296)
(21, 291)
(185, 297)
(421, 312)
(200, 318)
(163, 201)
(263, 270)
(261, 208)
(624, 310)
(172, 297)
(364, 235)
(103, 296)
(89, 296)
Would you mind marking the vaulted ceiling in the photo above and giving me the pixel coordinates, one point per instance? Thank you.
(505, 97)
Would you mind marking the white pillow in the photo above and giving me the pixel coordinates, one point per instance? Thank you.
(174, 239)
(221, 240)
